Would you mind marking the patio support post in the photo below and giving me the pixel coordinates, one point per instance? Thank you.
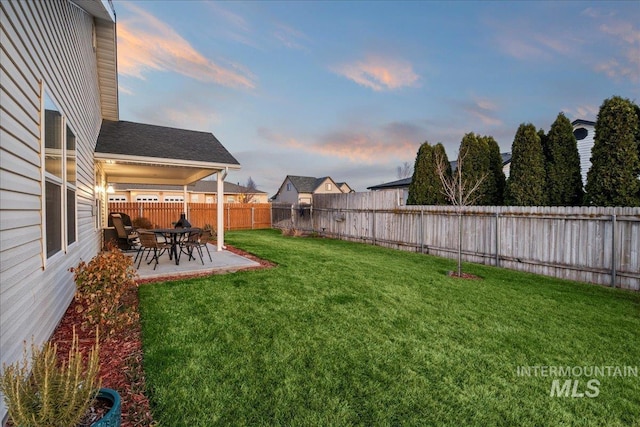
(220, 220)
(184, 200)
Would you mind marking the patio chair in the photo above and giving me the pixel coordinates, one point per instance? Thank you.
(129, 236)
(192, 242)
(204, 239)
(149, 243)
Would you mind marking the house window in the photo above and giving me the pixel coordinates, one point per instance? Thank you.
(173, 199)
(59, 180)
(146, 198)
(117, 198)
(328, 186)
(288, 186)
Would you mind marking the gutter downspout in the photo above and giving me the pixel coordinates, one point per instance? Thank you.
(220, 209)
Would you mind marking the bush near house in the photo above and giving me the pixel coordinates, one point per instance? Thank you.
(103, 286)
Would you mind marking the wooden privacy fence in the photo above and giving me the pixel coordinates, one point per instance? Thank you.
(589, 244)
(237, 216)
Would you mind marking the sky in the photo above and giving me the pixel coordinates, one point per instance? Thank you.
(350, 89)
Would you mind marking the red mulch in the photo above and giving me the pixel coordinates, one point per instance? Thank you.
(121, 354)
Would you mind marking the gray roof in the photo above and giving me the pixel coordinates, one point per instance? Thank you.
(306, 184)
(401, 183)
(143, 140)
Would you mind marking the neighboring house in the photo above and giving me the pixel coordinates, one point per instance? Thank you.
(402, 185)
(345, 187)
(300, 189)
(203, 191)
(585, 132)
(61, 142)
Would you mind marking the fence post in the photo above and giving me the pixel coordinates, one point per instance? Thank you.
(421, 230)
(141, 211)
(252, 220)
(497, 239)
(613, 250)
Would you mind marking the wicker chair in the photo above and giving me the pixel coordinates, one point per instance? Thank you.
(193, 241)
(129, 236)
(149, 243)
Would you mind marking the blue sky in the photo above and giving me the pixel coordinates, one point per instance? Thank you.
(351, 89)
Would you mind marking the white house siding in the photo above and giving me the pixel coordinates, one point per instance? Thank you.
(584, 150)
(49, 42)
(290, 196)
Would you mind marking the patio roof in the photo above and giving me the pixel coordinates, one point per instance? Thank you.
(150, 154)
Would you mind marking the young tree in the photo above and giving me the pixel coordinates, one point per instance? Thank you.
(425, 187)
(562, 164)
(249, 191)
(613, 177)
(405, 170)
(476, 164)
(496, 181)
(525, 186)
(459, 190)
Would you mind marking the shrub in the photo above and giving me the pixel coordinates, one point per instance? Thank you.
(102, 288)
(210, 232)
(48, 393)
(142, 222)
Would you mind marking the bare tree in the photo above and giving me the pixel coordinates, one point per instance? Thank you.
(405, 170)
(459, 191)
(248, 192)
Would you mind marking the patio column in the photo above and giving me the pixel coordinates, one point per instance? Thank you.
(184, 200)
(220, 207)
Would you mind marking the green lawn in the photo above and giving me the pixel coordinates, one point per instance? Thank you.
(349, 334)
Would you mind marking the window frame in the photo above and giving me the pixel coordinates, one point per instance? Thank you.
(66, 193)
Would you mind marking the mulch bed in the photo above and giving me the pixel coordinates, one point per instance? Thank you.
(121, 354)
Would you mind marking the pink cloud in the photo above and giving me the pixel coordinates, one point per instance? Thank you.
(145, 43)
(393, 141)
(379, 73)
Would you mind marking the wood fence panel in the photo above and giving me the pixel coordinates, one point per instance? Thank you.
(163, 215)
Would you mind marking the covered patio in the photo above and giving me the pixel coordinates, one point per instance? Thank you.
(128, 152)
(222, 261)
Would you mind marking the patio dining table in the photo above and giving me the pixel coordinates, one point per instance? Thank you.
(173, 236)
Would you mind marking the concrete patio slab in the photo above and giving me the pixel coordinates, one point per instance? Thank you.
(221, 262)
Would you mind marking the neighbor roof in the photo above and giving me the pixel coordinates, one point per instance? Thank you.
(401, 183)
(144, 140)
(306, 184)
(583, 122)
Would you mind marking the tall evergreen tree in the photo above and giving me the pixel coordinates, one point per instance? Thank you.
(425, 187)
(476, 165)
(613, 177)
(562, 164)
(496, 180)
(525, 186)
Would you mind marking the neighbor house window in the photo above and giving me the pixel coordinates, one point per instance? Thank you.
(117, 198)
(288, 186)
(328, 186)
(146, 198)
(174, 199)
(59, 180)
